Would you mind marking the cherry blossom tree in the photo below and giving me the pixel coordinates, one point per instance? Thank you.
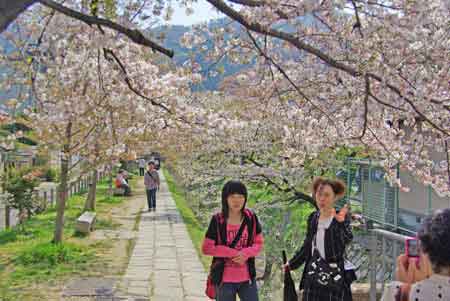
(351, 73)
(94, 102)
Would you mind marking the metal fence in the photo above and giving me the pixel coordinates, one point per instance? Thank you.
(385, 247)
(377, 200)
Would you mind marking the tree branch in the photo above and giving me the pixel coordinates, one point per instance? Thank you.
(110, 54)
(281, 70)
(135, 35)
(297, 194)
(358, 21)
(366, 107)
(10, 10)
(258, 28)
(255, 3)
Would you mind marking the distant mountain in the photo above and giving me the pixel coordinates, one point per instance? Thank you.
(171, 39)
(172, 36)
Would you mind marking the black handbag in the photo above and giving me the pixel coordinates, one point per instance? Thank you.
(289, 292)
(321, 274)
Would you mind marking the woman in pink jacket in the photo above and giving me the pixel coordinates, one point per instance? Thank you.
(235, 225)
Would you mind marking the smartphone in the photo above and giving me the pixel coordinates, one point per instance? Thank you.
(412, 247)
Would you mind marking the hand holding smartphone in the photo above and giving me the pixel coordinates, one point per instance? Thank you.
(412, 249)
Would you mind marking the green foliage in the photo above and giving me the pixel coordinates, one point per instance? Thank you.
(20, 183)
(16, 126)
(50, 174)
(194, 227)
(110, 8)
(26, 141)
(28, 258)
(8, 235)
(50, 254)
(42, 160)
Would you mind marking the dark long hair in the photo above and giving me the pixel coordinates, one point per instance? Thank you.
(232, 187)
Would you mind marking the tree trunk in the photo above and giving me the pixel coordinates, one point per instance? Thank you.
(110, 190)
(10, 10)
(7, 214)
(61, 202)
(90, 201)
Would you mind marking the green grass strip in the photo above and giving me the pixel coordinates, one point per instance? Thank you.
(196, 231)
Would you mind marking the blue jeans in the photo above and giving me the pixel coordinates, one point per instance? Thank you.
(151, 198)
(247, 291)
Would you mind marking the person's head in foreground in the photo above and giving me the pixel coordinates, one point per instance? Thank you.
(427, 277)
(434, 237)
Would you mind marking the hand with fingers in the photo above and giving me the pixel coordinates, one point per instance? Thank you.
(409, 271)
(340, 217)
(239, 259)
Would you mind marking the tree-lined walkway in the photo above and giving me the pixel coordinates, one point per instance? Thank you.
(164, 265)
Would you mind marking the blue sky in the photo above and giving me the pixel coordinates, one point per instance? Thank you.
(203, 11)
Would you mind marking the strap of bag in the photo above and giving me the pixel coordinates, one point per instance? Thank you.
(238, 235)
(236, 238)
(150, 175)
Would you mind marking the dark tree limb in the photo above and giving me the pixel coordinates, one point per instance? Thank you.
(286, 76)
(297, 194)
(357, 24)
(135, 35)
(11, 9)
(110, 54)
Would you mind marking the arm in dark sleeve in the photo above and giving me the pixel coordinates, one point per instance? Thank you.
(345, 230)
(211, 233)
(305, 250)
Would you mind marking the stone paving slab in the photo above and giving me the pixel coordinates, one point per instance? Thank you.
(164, 265)
(103, 287)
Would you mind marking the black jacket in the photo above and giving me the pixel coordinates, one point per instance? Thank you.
(337, 237)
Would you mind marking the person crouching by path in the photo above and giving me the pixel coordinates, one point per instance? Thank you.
(122, 183)
(239, 273)
(151, 182)
(328, 233)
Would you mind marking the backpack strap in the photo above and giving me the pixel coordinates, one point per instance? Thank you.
(220, 222)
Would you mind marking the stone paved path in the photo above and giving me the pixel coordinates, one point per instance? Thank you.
(164, 265)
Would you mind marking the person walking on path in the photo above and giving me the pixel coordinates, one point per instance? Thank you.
(141, 163)
(328, 233)
(151, 182)
(237, 226)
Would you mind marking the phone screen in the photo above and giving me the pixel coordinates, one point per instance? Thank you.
(413, 248)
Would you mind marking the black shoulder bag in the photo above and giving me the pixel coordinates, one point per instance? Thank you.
(321, 274)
